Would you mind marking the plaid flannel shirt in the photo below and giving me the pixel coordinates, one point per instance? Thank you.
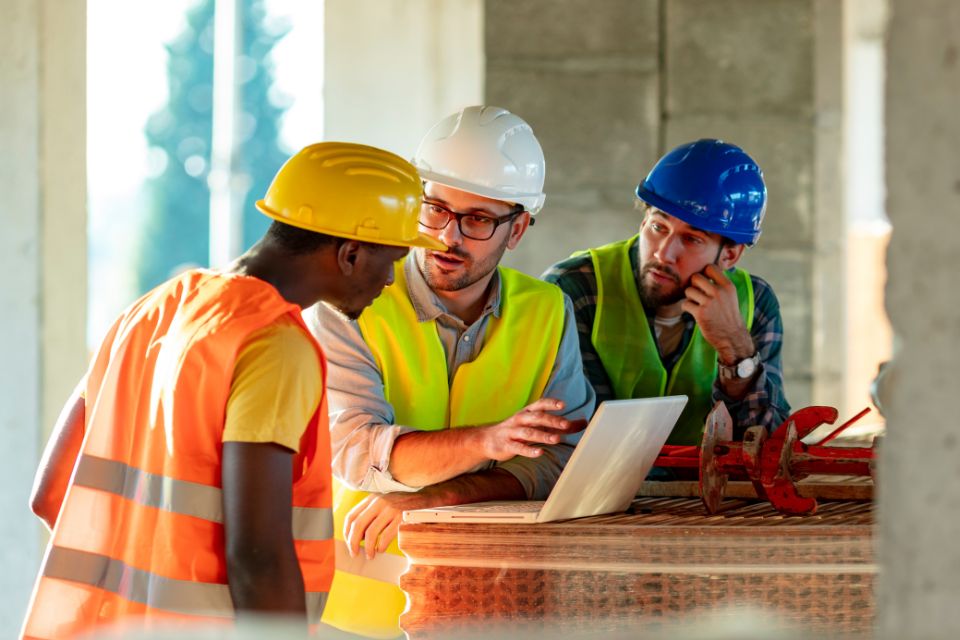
(764, 404)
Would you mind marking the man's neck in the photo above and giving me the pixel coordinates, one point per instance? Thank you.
(263, 262)
(669, 311)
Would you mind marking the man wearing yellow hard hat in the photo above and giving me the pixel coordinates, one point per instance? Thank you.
(188, 478)
(463, 382)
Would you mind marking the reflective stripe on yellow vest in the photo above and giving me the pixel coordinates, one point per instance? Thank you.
(512, 371)
(626, 345)
(140, 533)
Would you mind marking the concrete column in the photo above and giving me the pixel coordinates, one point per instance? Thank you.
(585, 75)
(920, 474)
(766, 75)
(42, 257)
(393, 68)
(610, 86)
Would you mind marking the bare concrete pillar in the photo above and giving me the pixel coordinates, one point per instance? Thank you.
(611, 85)
(42, 257)
(920, 473)
(766, 74)
(393, 68)
(585, 75)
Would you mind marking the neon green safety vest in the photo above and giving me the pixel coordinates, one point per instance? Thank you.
(512, 371)
(626, 345)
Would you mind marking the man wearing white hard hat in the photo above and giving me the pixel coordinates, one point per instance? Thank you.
(464, 382)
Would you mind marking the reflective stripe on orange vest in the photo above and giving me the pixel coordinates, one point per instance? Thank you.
(140, 532)
(183, 497)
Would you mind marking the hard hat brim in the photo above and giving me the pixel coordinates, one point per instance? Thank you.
(531, 202)
(699, 222)
(421, 241)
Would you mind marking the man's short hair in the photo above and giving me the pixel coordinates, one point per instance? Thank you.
(297, 241)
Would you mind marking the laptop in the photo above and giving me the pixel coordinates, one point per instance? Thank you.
(614, 455)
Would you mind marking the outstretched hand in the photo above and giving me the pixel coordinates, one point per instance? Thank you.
(375, 519)
(521, 433)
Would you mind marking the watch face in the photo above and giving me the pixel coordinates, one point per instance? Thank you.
(745, 368)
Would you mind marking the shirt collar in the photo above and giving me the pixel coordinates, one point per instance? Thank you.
(428, 305)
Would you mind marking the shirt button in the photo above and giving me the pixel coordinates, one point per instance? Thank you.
(466, 338)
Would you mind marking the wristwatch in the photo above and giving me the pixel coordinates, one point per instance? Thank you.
(742, 370)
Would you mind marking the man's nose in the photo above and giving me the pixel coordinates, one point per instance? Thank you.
(450, 235)
(667, 250)
(390, 276)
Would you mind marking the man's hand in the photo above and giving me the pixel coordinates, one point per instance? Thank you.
(712, 301)
(375, 520)
(520, 434)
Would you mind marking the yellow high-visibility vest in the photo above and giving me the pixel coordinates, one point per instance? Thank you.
(628, 350)
(511, 371)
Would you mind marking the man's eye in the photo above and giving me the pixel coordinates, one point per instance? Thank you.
(694, 239)
(479, 220)
(432, 208)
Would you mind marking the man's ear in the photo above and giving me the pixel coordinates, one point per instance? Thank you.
(517, 228)
(730, 255)
(348, 256)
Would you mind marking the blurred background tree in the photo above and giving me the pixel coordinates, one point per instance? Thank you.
(176, 231)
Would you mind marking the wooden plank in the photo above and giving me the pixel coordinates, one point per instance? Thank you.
(821, 489)
(663, 562)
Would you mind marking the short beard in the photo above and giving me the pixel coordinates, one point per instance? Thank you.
(652, 295)
(470, 275)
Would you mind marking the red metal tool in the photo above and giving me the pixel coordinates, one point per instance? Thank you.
(772, 461)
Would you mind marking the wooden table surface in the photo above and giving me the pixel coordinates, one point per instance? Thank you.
(663, 562)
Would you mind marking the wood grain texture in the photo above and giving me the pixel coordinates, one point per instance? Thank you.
(662, 563)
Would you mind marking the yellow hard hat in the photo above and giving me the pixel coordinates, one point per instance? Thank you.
(351, 191)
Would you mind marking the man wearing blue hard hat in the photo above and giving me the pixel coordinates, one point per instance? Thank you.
(668, 311)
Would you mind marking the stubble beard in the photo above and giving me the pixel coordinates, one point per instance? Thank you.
(653, 295)
(470, 274)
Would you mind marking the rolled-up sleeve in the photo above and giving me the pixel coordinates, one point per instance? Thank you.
(568, 383)
(362, 431)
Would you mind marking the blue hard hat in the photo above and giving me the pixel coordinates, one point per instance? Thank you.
(711, 185)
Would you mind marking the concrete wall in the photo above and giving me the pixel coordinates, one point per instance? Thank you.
(392, 68)
(42, 257)
(609, 86)
(920, 475)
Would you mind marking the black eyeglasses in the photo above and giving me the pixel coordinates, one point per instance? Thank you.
(475, 226)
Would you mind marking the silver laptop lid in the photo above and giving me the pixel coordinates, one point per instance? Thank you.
(613, 457)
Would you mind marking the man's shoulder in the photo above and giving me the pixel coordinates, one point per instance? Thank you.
(579, 265)
(516, 284)
(766, 304)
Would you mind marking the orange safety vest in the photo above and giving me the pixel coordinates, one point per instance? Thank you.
(140, 532)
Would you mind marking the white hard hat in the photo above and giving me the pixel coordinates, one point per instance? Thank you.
(487, 151)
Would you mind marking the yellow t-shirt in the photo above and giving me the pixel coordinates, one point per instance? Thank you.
(276, 387)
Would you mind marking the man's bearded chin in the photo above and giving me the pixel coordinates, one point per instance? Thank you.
(653, 295)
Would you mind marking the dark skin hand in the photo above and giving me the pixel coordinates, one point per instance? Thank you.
(262, 567)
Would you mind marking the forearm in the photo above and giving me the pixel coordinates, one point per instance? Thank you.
(266, 581)
(763, 403)
(263, 572)
(482, 486)
(59, 458)
(422, 458)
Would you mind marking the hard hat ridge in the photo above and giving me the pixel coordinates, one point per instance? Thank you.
(488, 151)
(350, 191)
(712, 185)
